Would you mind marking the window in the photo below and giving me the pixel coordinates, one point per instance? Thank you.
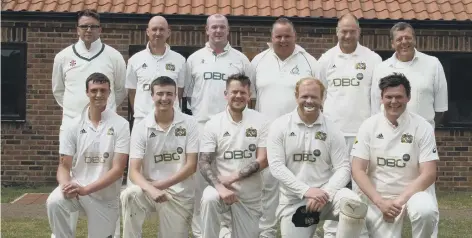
(459, 83)
(13, 81)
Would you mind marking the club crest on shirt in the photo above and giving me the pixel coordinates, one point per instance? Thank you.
(72, 63)
(251, 132)
(170, 67)
(361, 65)
(295, 70)
(407, 138)
(111, 131)
(180, 131)
(320, 136)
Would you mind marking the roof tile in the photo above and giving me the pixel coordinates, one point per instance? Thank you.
(369, 9)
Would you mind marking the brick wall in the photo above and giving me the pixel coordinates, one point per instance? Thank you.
(30, 150)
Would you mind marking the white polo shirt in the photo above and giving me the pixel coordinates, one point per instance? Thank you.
(349, 78)
(303, 156)
(164, 153)
(74, 64)
(206, 80)
(395, 153)
(427, 80)
(144, 67)
(235, 145)
(93, 149)
(274, 80)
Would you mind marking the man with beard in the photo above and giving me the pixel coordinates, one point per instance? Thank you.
(154, 61)
(348, 69)
(275, 73)
(208, 69)
(428, 82)
(308, 155)
(163, 152)
(232, 154)
(398, 149)
(93, 149)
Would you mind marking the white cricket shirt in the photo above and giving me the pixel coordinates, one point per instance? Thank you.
(144, 67)
(349, 78)
(395, 154)
(427, 80)
(235, 145)
(303, 156)
(274, 80)
(206, 80)
(93, 149)
(74, 64)
(164, 153)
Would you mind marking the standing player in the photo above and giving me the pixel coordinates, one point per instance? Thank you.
(232, 154)
(154, 61)
(348, 69)
(275, 73)
(427, 78)
(75, 63)
(208, 69)
(163, 152)
(399, 150)
(308, 155)
(93, 149)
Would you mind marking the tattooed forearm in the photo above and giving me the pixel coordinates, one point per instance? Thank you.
(204, 162)
(249, 170)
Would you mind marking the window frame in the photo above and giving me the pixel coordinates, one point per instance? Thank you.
(22, 94)
(445, 58)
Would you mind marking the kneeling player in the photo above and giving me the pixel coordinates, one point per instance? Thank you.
(232, 153)
(399, 150)
(164, 146)
(93, 152)
(308, 155)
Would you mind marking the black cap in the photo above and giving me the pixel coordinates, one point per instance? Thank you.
(303, 218)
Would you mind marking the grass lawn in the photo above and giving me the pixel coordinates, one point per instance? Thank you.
(450, 226)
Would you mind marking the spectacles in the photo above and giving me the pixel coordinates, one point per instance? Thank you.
(86, 27)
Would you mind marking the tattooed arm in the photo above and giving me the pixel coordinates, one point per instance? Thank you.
(205, 164)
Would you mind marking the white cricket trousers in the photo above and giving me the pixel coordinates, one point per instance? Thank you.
(270, 201)
(200, 185)
(421, 210)
(329, 212)
(330, 227)
(245, 216)
(101, 215)
(174, 215)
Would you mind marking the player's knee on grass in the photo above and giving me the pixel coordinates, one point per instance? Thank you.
(421, 208)
(353, 208)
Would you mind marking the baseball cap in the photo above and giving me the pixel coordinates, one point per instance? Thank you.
(303, 218)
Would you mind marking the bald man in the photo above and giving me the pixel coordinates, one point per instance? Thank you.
(207, 72)
(348, 69)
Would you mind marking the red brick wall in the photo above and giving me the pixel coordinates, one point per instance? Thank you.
(29, 150)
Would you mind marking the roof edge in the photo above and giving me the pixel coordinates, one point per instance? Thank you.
(180, 18)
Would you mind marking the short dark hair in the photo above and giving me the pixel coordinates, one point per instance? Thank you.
(394, 80)
(97, 78)
(243, 79)
(162, 81)
(400, 26)
(88, 13)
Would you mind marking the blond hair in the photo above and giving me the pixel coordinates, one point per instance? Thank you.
(314, 80)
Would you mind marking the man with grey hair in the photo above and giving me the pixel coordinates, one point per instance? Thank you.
(207, 72)
(429, 97)
(348, 68)
(275, 74)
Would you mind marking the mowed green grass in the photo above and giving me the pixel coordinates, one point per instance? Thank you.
(450, 226)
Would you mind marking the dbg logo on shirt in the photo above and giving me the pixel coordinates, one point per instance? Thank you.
(345, 82)
(306, 156)
(214, 76)
(391, 162)
(166, 157)
(240, 154)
